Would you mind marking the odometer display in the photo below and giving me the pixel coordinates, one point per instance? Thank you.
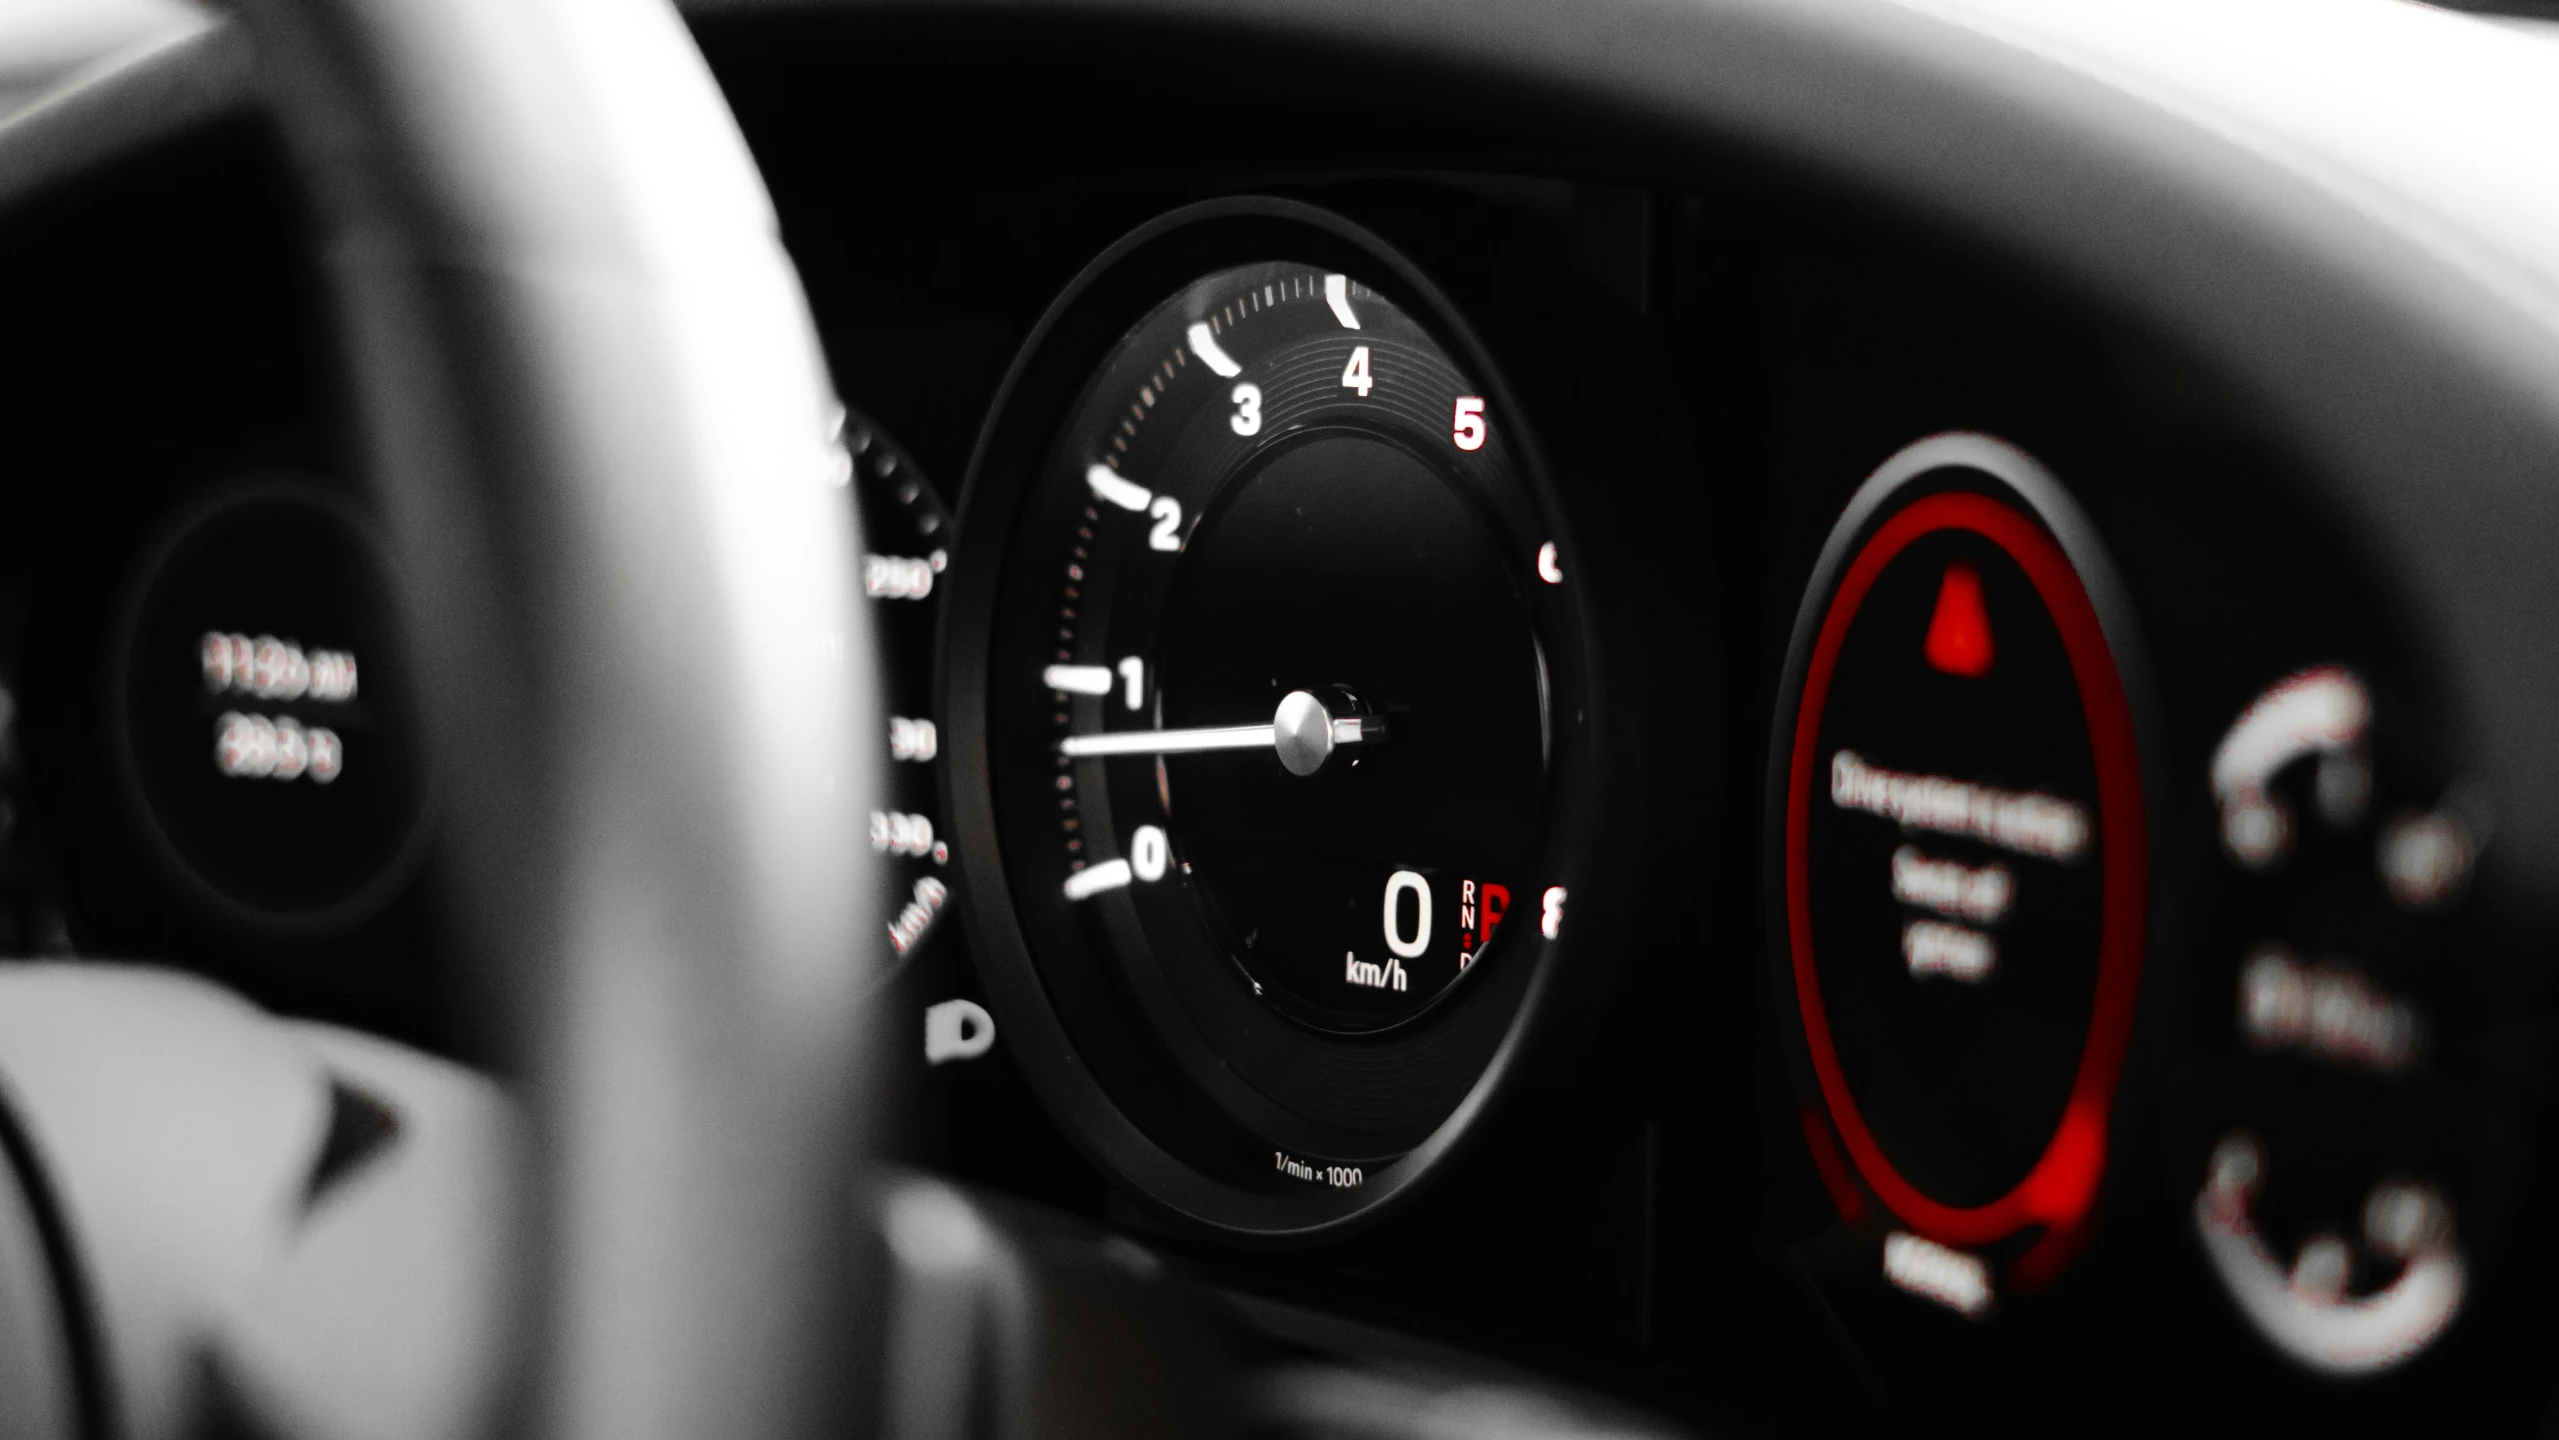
(1271, 702)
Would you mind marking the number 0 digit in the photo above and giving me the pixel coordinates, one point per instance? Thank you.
(1408, 946)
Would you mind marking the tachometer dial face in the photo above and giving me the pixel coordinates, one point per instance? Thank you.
(1273, 699)
(1294, 672)
(1961, 836)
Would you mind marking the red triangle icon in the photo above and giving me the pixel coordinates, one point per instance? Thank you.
(1959, 633)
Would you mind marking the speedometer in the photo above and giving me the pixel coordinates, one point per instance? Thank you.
(1274, 695)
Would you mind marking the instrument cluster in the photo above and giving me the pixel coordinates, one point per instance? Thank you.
(1408, 801)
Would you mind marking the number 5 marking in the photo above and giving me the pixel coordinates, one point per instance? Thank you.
(1469, 430)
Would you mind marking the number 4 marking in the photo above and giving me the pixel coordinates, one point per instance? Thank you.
(1355, 374)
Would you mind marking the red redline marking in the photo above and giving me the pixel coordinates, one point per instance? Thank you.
(2061, 1188)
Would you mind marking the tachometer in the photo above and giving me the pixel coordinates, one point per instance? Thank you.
(1271, 709)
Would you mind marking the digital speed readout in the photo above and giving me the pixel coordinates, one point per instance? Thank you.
(1274, 700)
(1961, 845)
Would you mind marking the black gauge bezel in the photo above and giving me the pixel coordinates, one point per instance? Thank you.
(1160, 1157)
(401, 865)
(1986, 465)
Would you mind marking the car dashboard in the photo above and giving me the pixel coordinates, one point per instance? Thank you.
(1849, 739)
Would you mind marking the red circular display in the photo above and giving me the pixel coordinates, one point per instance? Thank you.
(2061, 1187)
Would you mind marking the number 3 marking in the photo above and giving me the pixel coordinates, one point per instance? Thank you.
(1247, 419)
(1469, 430)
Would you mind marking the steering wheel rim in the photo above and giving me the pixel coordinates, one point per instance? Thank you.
(594, 416)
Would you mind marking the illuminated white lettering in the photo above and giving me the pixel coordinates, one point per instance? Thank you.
(2326, 1010)
(1467, 428)
(957, 1030)
(897, 577)
(1355, 375)
(1980, 896)
(1408, 946)
(1149, 852)
(2023, 821)
(1389, 976)
(899, 833)
(1931, 1271)
(1933, 947)
(913, 739)
(1167, 534)
(254, 747)
(273, 669)
(921, 911)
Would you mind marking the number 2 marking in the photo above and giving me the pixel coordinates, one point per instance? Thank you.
(1167, 534)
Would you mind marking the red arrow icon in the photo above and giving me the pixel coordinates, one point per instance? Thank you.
(1959, 633)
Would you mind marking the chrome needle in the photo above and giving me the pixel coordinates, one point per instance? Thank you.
(1303, 733)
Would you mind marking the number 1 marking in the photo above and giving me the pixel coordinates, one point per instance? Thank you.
(1133, 672)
